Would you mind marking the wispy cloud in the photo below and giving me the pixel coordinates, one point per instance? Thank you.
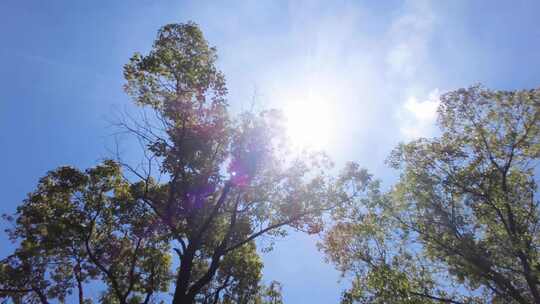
(417, 117)
(409, 36)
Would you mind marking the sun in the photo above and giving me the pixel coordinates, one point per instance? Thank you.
(309, 124)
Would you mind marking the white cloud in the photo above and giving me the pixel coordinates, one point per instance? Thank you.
(417, 118)
(408, 66)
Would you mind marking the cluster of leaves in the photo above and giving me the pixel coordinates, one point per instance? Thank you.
(461, 225)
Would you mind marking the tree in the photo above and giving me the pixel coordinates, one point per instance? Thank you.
(229, 181)
(210, 186)
(80, 226)
(461, 225)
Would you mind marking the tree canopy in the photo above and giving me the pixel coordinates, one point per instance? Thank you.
(461, 225)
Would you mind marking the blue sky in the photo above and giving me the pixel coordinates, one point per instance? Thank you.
(374, 67)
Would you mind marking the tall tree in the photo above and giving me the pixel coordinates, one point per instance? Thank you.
(229, 181)
(210, 186)
(461, 225)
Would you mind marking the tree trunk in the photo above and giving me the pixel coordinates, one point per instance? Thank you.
(183, 299)
(184, 275)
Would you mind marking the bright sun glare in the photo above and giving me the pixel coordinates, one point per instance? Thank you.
(309, 124)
